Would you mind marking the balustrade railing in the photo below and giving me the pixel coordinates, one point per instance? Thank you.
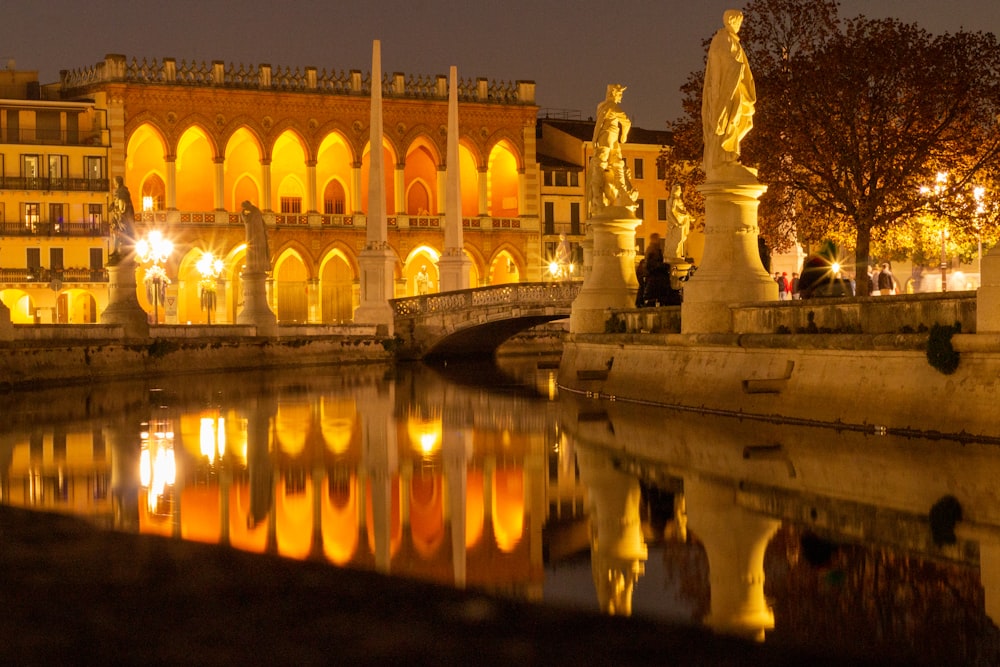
(54, 184)
(308, 79)
(54, 137)
(77, 229)
(43, 275)
(512, 294)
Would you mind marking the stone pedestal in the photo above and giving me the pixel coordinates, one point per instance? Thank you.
(377, 264)
(988, 296)
(731, 270)
(611, 282)
(255, 309)
(453, 268)
(734, 539)
(123, 305)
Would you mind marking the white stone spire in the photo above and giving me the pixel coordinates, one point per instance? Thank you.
(453, 265)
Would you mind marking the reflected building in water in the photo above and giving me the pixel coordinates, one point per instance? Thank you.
(770, 531)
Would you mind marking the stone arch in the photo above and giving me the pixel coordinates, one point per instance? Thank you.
(289, 155)
(145, 151)
(20, 304)
(337, 284)
(418, 258)
(152, 193)
(506, 266)
(242, 173)
(420, 176)
(292, 273)
(389, 158)
(76, 306)
(334, 167)
(468, 161)
(478, 265)
(194, 167)
(503, 182)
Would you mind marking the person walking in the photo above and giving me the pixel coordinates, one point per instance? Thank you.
(886, 281)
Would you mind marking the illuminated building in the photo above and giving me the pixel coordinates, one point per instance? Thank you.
(193, 141)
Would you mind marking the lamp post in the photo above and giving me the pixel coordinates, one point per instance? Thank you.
(155, 250)
(210, 267)
(938, 189)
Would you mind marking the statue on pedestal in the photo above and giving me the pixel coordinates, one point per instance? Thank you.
(728, 99)
(678, 226)
(610, 179)
(122, 215)
(258, 256)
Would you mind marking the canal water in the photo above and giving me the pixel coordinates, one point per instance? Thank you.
(487, 476)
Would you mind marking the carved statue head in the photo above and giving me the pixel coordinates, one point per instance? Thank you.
(615, 91)
(732, 19)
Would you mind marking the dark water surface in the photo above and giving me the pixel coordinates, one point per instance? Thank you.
(485, 476)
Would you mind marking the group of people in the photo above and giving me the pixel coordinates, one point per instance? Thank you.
(788, 288)
(654, 276)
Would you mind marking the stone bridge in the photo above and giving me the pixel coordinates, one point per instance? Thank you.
(474, 322)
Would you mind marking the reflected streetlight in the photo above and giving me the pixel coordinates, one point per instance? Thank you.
(210, 267)
(155, 249)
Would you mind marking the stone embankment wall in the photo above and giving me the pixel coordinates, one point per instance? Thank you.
(30, 362)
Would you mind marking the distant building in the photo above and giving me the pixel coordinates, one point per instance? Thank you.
(564, 148)
(53, 202)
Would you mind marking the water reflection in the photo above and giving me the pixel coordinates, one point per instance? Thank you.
(476, 476)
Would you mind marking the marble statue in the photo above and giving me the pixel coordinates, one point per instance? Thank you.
(423, 281)
(728, 98)
(610, 179)
(678, 225)
(258, 256)
(122, 216)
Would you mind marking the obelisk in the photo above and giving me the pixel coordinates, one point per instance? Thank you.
(453, 265)
(377, 260)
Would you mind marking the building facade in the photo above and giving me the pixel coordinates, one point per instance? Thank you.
(53, 203)
(194, 141)
(564, 147)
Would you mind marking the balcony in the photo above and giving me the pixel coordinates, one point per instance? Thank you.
(55, 184)
(35, 137)
(74, 229)
(43, 275)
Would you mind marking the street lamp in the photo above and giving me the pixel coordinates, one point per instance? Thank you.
(939, 187)
(210, 267)
(155, 249)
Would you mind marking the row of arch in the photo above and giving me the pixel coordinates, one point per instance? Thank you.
(289, 175)
(300, 291)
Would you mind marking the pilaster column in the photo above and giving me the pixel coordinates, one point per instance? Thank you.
(311, 187)
(220, 184)
(265, 179)
(484, 208)
(356, 188)
(171, 184)
(399, 189)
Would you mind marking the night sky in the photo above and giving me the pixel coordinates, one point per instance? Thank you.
(572, 50)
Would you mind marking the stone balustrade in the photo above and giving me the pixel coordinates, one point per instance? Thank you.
(217, 74)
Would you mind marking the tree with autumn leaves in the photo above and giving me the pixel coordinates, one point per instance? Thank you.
(870, 133)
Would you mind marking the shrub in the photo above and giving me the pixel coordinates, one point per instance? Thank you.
(940, 353)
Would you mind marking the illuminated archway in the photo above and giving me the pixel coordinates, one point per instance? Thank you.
(288, 170)
(76, 306)
(421, 176)
(195, 169)
(145, 152)
(470, 182)
(242, 171)
(336, 289)
(420, 258)
(504, 269)
(22, 309)
(388, 165)
(333, 170)
(291, 281)
(503, 182)
(153, 195)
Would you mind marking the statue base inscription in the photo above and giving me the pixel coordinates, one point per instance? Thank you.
(611, 282)
(123, 305)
